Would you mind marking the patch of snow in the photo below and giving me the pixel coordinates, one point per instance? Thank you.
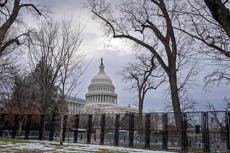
(130, 150)
(35, 146)
(50, 147)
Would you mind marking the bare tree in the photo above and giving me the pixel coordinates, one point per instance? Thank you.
(8, 70)
(218, 120)
(144, 76)
(9, 12)
(148, 23)
(219, 76)
(56, 45)
(72, 66)
(202, 26)
(11, 36)
(43, 53)
(207, 21)
(23, 99)
(12, 84)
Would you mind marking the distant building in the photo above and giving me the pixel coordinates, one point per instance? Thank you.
(75, 105)
(101, 97)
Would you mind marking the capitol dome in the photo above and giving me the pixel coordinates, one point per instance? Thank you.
(101, 90)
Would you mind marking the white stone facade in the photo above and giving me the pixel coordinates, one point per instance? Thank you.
(101, 91)
(101, 97)
(75, 105)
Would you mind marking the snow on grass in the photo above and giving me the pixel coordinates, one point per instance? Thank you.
(49, 147)
(34, 146)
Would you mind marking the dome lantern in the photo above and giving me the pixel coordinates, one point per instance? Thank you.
(101, 67)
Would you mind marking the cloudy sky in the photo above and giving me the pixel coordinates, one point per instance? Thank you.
(116, 54)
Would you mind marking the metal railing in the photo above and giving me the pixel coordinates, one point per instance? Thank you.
(199, 132)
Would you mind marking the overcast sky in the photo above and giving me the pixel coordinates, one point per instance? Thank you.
(116, 54)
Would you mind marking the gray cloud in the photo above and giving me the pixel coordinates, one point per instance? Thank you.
(116, 55)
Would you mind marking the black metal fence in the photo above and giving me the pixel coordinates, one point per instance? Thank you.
(200, 131)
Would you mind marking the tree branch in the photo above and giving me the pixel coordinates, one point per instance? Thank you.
(3, 3)
(31, 5)
(135, 40)
(212, 45)
(11, 41)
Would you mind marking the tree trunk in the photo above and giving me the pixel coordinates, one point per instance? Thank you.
(140, 111)
(62, 114)
(140, 108)
(61, 130)
(20, 127)
(5, 26)
(45, 110)
(220, 13)
(175, 98)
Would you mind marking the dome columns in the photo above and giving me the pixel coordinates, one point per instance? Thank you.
(101, 99)
(101, 90)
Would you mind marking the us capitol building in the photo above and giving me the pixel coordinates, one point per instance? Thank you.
(101, 97)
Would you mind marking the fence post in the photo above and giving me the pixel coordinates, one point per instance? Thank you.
(116, 132)
(64, 126)
(147, 131)
(89, 128)
(28, 123)
(102, 134)
(205, 133)
(52, 126)
(2, 123)
(227, 122)
(77, 118)
(131, 129)
(184, 138)
(42, 122)
(15, 125)
(165, 131)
